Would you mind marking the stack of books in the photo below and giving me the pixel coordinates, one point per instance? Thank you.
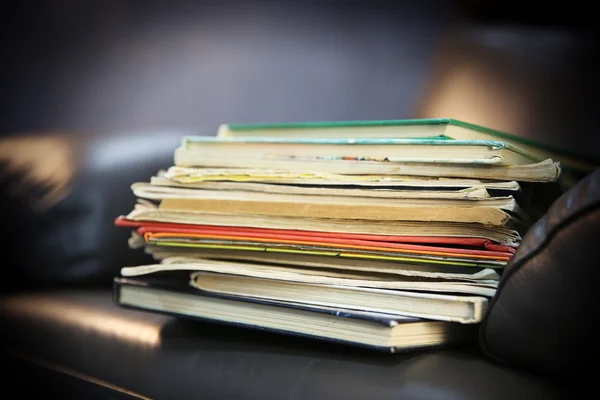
(386, 234)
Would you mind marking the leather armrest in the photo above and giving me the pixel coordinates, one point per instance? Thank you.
(545, 310)
(60, 194)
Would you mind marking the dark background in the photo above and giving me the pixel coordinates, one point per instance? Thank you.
(177, 67)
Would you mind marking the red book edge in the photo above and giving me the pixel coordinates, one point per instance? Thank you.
(390, 241)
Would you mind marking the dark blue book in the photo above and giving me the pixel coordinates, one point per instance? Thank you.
(385, 332)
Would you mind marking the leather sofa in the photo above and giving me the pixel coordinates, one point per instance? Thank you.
(62, 333)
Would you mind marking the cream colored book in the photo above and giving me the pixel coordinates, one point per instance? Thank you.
(390, 333)
(160, 192)
(392, 150)
(373, 199)
(426, 128)
(148, 211)
(543, 171)
(420, 304)
(309, 186)
(492, 212)
(185, 255)
(321, 277)
(462, 309)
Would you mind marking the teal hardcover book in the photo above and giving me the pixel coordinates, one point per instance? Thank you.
(440, 150)
(427, 128)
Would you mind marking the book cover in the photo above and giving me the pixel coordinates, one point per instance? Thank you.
(336, 252)
(501, 136)
(176, 281)
(193, 236)
(427, 128)
(336, 124)
(438, 141)
(453, 332)
(144, 227)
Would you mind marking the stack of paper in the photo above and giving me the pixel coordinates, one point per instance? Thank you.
(390, 234)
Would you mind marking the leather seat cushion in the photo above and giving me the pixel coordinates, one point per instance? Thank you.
(544, 313)
(84, 334)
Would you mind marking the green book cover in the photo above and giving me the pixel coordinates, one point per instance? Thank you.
(374, 123)
(438, 141)
(438, 125)
(340, 124)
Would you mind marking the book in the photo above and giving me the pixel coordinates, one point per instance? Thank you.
(438, 150)
(230, 181)
(333, 251)
(442, 307)
(144, 227)
(368, 232)
(384, 332)
(427, 128)
(258, 191)
(265, 169)
(531, 199)
(147, 211)
(399, 250)
(198, 234)
(496, 212)
(312, 262)
(215, 168)
(322, 277)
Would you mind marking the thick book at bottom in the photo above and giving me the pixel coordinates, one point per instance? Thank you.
(390, 333)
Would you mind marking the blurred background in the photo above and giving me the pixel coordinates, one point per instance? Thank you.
(189, 65)
(132, 76)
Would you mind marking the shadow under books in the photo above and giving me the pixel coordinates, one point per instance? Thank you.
(179, 332)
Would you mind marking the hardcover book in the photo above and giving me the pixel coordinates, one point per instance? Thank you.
(426, 128)
(379, 331)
